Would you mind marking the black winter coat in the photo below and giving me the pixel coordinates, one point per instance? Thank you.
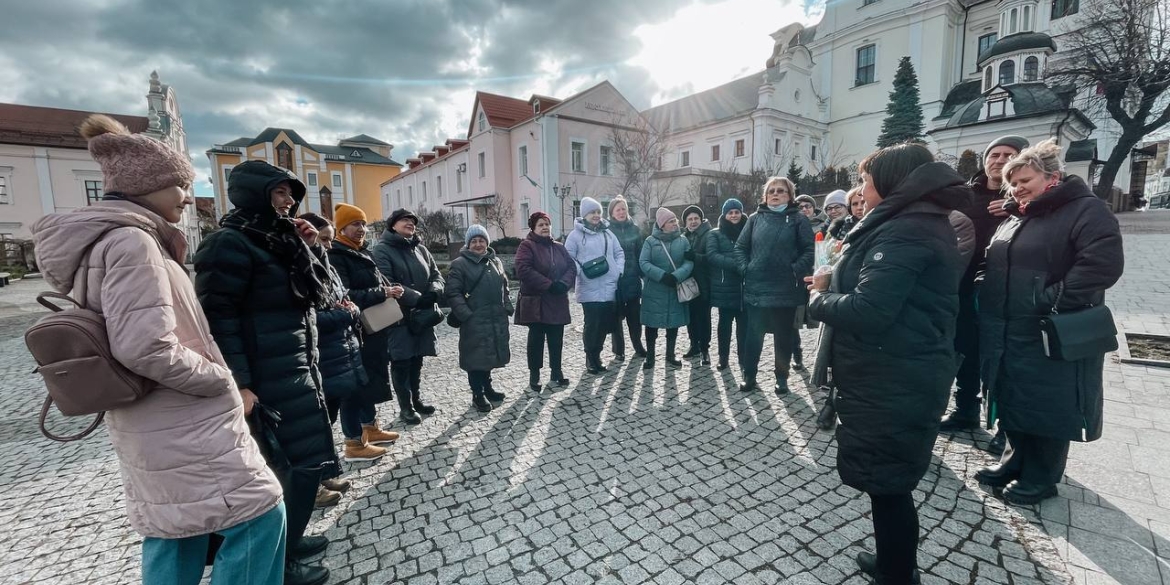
(630, 284)
(339, 347)
(726, 282)
(985, 225)
(267, 336)
(477, 292)
(702, 272)
(1067, 235)
(775, 253)
(364, 282)
(409, 263)
(892, 314)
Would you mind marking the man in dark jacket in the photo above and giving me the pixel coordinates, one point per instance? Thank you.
(260, 284)
(696, 228)
(986, 213)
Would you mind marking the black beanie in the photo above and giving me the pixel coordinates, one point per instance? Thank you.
(692, 209)
(1017, 142)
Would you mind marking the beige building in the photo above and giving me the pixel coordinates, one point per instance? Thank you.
(349, 172)
(45, 166)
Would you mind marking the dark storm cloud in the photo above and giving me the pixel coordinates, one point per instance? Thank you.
(388, 69)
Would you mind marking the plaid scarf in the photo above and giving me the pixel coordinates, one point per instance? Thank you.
(308, 274)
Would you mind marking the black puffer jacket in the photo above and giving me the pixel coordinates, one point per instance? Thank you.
(775, 253)
(702, 272)
(1067, 235)
(268, 339)
(364, 282)
(342, 374)
(726, 282)
(410, 264)
(892, 313)
(477, 292)
(984, 223)
(630, 284)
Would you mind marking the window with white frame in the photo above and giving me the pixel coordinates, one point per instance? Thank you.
(439, 186)
(312, 179)
(987, 78)
(866, 65)
(522, 156)
(1063, 8)
(481, 124)
(577, 154)
(423, 193)
(227, 172)
(93, 192)
(778, 147)
(336, 180)
(714, 153)
(812, 152)
(481, 158)
(523, 215)
(398, 198)
(986, 41)
(684, 158)
(1007, 72)
(605, 160)
(410, 195)
(5, 198)
(739, 148)
(1031, 69)
(458, 181)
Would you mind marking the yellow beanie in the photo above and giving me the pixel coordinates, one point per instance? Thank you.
(345, 214)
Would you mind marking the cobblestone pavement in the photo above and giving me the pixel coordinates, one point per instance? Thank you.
(669, 477)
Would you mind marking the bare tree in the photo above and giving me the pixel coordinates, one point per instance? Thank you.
(499, 213)
(438, 225)
(1120, 55)
(830, 155)
(640, 150)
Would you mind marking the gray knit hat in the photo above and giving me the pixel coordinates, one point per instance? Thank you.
(1017, 142)
(476, 230)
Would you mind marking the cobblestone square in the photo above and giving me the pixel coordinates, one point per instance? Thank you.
(670, 476)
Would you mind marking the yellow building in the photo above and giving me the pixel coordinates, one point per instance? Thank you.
(350, 172)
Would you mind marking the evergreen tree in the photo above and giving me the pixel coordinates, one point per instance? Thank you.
(795, 174)
(904, 113)
(968, 164)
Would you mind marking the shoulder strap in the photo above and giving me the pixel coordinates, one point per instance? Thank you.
(667, 250)
(477, 279)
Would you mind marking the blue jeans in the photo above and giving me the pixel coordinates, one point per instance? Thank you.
(252, 553)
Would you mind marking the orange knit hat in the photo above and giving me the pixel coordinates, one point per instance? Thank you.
(345, 214)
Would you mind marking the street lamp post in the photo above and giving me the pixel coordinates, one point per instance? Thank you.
(562, 193)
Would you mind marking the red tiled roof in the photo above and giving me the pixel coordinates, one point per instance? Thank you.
(502, 111)
(424, 159)
(37, 126)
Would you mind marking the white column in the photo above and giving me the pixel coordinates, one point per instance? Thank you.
(44, 180)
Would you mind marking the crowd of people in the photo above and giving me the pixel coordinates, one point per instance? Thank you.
(917, 280)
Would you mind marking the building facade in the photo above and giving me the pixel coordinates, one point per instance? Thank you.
(46, 168)
(349, 172)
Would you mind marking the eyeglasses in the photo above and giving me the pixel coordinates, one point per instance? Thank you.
(806, 206)
(834, 206)
(777, 190)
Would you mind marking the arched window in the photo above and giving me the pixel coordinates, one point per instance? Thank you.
(1031, 69)
(1014, 20)
(987, 78)
(1027, 19)
(1007, 72)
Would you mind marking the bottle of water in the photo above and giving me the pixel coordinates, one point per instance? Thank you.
(821, 250)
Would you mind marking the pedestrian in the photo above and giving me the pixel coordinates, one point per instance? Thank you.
(699, 326)
(726, 282)
(839, 228)
(592, 244)
(351, 257)
(986, 213)
(407, 264)
(546, 273)
(628, 306)
(665, 264)
(477, 292)
(775, 252)
(888, 309)
(177, 492)
(808, 206)
(1058, 253)
(260, 279)
(340, 360)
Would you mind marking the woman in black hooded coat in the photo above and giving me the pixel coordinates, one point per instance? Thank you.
(260, 285)
(889, 314)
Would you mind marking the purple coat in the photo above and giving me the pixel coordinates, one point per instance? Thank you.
(539, 262)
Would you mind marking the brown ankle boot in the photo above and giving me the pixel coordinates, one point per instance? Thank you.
(374, 435)
(362, 451)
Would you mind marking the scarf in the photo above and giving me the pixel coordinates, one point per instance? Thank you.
(308, 275)
(731, 230)
(348, 242)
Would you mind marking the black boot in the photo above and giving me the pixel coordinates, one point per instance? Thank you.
(749, 383)
(298, 573)
(722, 363)
(693, 351)
(491, 394)
(639, 351)
(670, 359)
(534, 380)
(481, 403)
(593, 364)
(781, 383)
(867, 562)
(706, 358)
(1021, 493)
(649, 363)
(960, 419)
(996, 476)
(307, 546)
(558, 379)
(416, 387)
(401, 382)
(998, 443)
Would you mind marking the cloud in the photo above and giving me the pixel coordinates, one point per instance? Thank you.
(403, 71)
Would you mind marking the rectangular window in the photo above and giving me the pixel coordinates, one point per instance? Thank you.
(777, 148)
(739, 148)
(523, 156)
(866, 68)
(312, 178)
(523, 215)
(439, 186)
(93, 192)
(812, 152)
(459, 180)
(398, 198)
(577, 150)
(986, 41)
(605, 160)
(4, 199)
(423, 192)
(684, 159)
(410, 195)
(714, 153)
(482, 159)
(227, 172)
(337, 180)
(1063, 8)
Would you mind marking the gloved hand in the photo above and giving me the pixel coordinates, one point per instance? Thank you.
(689, 255)
(428, 298)
(669, 280)
(558, 288)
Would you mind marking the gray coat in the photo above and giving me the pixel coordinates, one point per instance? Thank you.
(660, 306)
(477, 292)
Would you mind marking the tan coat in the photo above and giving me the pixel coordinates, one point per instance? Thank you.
(188, 463)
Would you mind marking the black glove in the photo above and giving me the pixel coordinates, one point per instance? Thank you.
(689, 255)
(428, 298)
(669, 280)
(558, 288)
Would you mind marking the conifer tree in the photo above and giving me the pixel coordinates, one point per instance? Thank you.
(795, 173)
(968, 164)
(904, 113)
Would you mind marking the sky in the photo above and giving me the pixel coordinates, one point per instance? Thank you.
(403, 71)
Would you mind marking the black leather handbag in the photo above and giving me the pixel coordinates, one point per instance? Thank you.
(597, 267)
(422, 318)
(1078, 334)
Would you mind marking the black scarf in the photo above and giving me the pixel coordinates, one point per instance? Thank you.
(308, 274)
(731, 230)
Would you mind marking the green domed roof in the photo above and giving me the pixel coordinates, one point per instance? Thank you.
(1017, 42)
